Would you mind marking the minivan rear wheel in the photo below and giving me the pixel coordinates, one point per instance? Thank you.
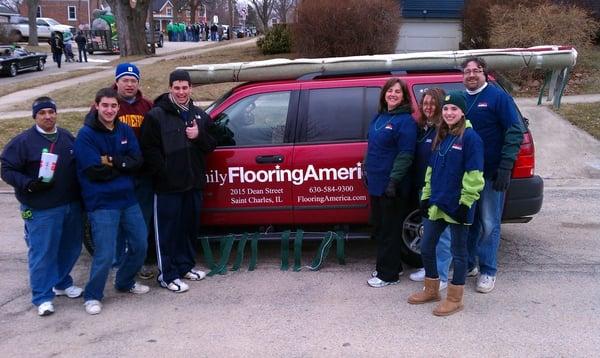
(412, 234)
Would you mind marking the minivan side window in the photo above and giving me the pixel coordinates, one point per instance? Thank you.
(255, 120)
(340, 114)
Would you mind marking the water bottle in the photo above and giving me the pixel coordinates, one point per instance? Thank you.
(47, 165)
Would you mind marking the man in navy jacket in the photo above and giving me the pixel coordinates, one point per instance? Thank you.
(494, 116)
(50, 207)
(108, 155)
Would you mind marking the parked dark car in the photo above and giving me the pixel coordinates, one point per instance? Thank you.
(16, 59)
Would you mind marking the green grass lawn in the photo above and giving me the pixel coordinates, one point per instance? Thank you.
(11, 127)
(584, 115)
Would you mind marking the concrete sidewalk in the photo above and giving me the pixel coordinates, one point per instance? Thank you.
(7, 102)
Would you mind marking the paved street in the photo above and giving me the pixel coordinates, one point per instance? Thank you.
(545, 303)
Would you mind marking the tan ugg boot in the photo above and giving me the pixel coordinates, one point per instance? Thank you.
(429, 293)
(453, 302)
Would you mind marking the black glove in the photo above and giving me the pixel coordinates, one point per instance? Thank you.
(38, 185)
(424, 208)
(462, 213)
(501, 179)
(390, 191)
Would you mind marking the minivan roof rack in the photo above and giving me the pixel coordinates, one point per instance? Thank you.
(358, 72)
(557, 61)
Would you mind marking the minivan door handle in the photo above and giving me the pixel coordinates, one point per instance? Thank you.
(265, 159)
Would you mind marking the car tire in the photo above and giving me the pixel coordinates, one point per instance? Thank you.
(412, 233)
(40, 65)
(12, 71)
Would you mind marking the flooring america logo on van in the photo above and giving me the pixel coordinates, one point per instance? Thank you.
(278, 175)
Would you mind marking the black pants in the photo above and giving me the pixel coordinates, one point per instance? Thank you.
(81, 50)
(176, 224)
(387, 216)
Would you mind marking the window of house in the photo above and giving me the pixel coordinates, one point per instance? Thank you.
(72, 13)
(169, 11)
(39, 11)
(256, 120)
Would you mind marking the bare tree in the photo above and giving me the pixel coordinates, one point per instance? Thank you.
(282, 9)
(264, 11)
(131, 18)
(32, 6)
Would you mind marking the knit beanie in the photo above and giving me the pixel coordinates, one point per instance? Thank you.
(456, 98)
(39, 105)
(179, 75)
(127, 69)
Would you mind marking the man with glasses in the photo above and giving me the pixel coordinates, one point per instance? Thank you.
(494, 116)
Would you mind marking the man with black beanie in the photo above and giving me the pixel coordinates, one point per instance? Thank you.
(175, 141)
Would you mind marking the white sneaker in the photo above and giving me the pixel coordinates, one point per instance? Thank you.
(139, 289)
(486, 283)
(443, 285)
(176, 286)
(473, 272)
(71, 292)
(93, 306)
(418, 276)
(195, 275)
(46, 309)
(376, 282)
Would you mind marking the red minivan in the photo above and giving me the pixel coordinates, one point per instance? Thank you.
(292, 157)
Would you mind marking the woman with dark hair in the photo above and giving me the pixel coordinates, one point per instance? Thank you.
(453, 181)
(431, 118)
(391, 148)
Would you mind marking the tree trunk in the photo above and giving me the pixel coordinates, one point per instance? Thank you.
(230, 6)
(32, 6)
(131, 24)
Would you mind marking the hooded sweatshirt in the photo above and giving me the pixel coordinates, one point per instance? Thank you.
(103, 186)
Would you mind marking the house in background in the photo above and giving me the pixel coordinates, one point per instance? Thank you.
(162, 12)
(430, 25)
(67, 12)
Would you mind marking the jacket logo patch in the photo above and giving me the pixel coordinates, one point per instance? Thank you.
(389, 126)
(482, 105)
(123, 140)
(457, 146)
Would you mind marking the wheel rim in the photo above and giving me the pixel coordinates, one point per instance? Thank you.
(13, 70)
(40, 65)
(412, 231)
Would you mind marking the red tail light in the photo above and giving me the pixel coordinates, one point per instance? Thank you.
(525, 163)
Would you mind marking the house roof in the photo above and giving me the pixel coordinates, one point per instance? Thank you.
(444, 9)
(6, 10)
(157, 5)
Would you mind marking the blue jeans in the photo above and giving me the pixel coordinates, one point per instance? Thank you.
(106, 225)
(53, 237)
(145, 197)
(443, 254)
(484, 235)
(433, 231)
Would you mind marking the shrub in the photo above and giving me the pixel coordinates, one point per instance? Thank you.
(276, 40)
(328, 28)
(547, 24)
(477, 19)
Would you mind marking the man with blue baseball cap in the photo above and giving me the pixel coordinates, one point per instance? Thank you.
(133, 106)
